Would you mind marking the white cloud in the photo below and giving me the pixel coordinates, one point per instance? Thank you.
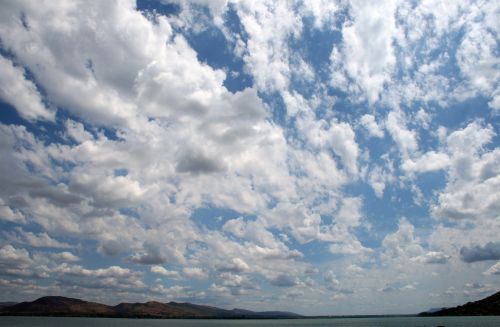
(405, 139)
(473, 183)
(344, 144)
(403, 243)
(477, 56)
(379, 177)
(368, 122)
(323, 11)
(432, 257)
(237, 265)
(338, 136)
(237, 284)
(493, 270)
(9, 254)
(114, 277)
(6, 213)
(429, 161)
(164, 272)
(18, 262)
(41, 240)
(21, 93)
(423, 118)
(64, 256)
(354, 269)
(367, 54)
(155, 135)
(267, 55)
(195, 273)
(408, 287)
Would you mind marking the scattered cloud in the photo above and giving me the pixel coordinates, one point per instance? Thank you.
(349, 151)
(195, 273)
(164, 272)
(493, 270)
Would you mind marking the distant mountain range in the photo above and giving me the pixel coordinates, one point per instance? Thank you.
(69, 307)
(489, 306)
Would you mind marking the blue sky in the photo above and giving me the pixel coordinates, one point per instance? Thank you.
(323, 157)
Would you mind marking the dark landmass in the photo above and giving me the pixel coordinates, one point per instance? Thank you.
(6, 304)
(432, 310)
(58, 306)
(489, 306)
(68, 307)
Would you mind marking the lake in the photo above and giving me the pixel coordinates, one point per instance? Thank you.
(335, 322)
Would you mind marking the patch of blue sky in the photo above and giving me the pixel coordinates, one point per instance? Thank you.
(430, 181)
(159, 7)
(194, 246)
(120, 172)
(85, 250)
(375, 146)
(406, 204)
(462, 113)
(276, 107)
(314, 251)
(214, 49)
(9, 115)
(214, 218)
(52, 132)
(6, 225)
(381, 213)
(233, 23)
(130, 212)
(315, 46)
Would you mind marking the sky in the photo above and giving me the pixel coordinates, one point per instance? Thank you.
(321, 157)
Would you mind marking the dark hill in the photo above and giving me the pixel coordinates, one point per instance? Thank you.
(169, 310)
(6, 304)
(62, 306)
(59, 306)
(489, 306)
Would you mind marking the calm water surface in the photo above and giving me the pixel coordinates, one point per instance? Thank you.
(344, 322)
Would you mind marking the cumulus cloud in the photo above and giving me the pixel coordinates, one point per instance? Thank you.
(476, 56)
(164, 272)
(114, 277)
(267, 53)
(430, 161)
(21, 93)
(369, 123)
(472, 188)
(6, 213)
(432, 257)
(18, 262)
(398, 287)
(367, 54)
(127, 135)
(65, 256)
(236, 265)
(195, 273)
(40, 240)
(405, 138)
(379, 178)
(403, 243)
(493, 270)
